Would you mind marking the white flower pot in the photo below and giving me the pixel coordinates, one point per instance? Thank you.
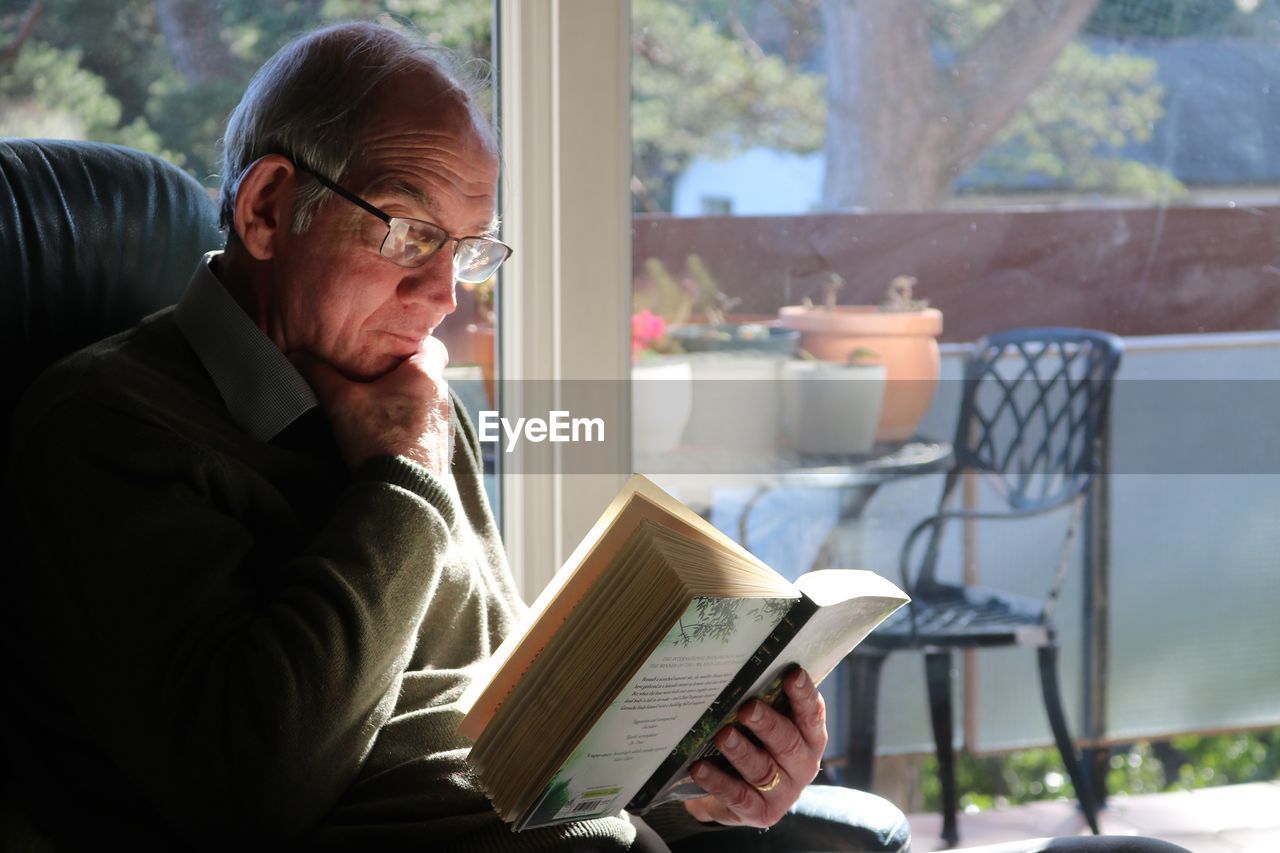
(832, 409)
(905, 341)
(737, 402)
(661, 401)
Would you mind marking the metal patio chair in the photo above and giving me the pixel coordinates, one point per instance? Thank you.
(1032, 418)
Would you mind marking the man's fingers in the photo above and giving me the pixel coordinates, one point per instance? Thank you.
(732, 801)
(420, 377)
(782, 739)
(427, 363)
(433, 357)
(708, 809)
(771, 778)
(405, 412)
(751, 762)
(808, 709)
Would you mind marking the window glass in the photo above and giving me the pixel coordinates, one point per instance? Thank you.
(1112, 165)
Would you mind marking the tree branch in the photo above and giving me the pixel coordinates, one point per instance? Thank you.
(10, 55)
(750, 45)
(801, 17)
(993, 79)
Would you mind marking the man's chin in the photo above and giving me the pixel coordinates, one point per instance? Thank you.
(375, 369)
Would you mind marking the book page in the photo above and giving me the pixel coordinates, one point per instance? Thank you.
(701, 653)
(639, 500)
(851, 604)
(482, 692)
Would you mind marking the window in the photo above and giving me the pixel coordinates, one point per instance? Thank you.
(1112, 165)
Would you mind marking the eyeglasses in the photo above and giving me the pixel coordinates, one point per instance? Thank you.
(412, 242)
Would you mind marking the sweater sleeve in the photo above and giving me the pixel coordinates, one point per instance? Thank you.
(238, 691)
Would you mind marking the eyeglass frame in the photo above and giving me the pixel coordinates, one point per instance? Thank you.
(387, 219)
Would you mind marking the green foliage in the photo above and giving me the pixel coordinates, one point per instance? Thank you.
(190, 118)
(699, 91)
(664, 295)
(702, 85)
(1166, 19)
(1071, 127)
(48, 93)
(677, 300)
(115, 41)
(1183, 764)
(1204, 760)
(958, 24)
(703, 88)
(107, 71)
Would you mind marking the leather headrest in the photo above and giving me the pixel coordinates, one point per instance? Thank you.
(93, 237)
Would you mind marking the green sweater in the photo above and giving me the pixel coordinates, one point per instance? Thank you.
(230, 642)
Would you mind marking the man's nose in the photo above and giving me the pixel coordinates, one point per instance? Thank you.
(432, 283)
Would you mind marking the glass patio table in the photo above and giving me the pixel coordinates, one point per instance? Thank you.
(695, 474)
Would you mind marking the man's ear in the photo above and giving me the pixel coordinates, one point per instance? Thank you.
(264, 203)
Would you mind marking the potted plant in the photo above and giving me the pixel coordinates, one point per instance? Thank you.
(661, 391)
(697, 313)
(735, 363)
(834, 408)
(903, 330)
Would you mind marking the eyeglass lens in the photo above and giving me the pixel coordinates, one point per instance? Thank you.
(409, 243)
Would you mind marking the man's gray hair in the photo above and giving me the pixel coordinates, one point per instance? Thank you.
(313, 99)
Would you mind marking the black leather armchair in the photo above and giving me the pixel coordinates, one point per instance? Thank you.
(93, 237)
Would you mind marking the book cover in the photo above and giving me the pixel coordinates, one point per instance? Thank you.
(818, 632)
(705, 648)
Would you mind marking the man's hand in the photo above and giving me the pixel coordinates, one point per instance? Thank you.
(404, 413)
(774, 776)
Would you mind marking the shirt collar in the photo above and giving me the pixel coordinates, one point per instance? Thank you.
(262, 390)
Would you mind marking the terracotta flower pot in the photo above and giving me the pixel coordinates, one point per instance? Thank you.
(907, 343)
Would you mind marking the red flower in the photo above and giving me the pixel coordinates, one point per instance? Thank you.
(646, 328)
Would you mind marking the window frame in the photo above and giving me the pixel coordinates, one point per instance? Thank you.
(563, 312)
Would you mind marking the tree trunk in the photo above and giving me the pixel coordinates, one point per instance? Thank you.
(900, 131)
(881, 94)
(191, 33)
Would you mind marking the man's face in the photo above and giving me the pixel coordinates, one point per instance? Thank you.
(334, 295)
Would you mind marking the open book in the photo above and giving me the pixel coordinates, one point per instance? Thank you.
(642, 648)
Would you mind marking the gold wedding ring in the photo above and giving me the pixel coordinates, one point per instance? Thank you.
(771, 784)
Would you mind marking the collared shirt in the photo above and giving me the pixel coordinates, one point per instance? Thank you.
(262, 390)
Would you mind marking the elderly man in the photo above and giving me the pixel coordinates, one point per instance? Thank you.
(260, 572)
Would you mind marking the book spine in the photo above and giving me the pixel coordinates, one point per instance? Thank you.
(698, 743)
